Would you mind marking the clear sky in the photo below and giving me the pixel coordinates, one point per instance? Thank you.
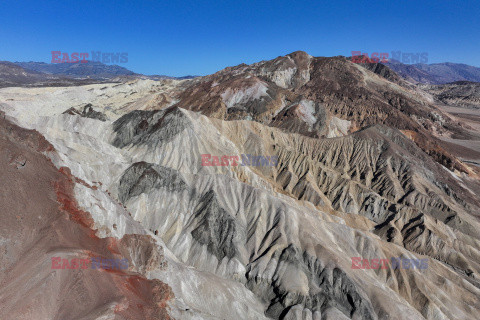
(201, 37)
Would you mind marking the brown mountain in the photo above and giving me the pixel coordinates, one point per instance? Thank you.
(301, 93)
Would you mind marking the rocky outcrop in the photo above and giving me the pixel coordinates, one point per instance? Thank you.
(87, 112)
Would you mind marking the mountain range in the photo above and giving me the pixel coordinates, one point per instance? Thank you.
(436, 73)
(66, 74)
(40, 73)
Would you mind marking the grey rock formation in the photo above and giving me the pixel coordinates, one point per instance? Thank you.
(142, 177)
(87, 112)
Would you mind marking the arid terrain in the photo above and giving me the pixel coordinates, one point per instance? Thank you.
(370, 164)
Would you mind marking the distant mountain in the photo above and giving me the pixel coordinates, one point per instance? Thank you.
(89, 69)
(10, 72)
(13, 75)
(436, 73)
(161, 77)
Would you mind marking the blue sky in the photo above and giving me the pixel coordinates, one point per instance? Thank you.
(201, 37)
